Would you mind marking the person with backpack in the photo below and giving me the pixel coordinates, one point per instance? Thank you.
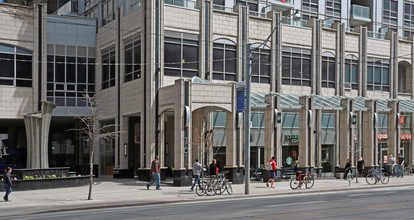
(271, 168)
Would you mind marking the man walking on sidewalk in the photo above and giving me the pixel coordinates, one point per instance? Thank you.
(399, 166)
(7, 181)
(271, 167)
(155, 170)
(196, 172)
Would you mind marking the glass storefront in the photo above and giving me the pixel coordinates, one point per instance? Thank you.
(107, 151)
(290, 154)
(327, 158)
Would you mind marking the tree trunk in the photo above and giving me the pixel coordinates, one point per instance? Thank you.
(90, 173)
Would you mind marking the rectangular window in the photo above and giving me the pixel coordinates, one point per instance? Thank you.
(328, 72)
(224, 61)
(108, 67)
(69, 78)
(15, 66)
(296, 66)
(290, 120)
(333, 9)
(309, 9)
(378, 74)
(261, 65)
(390, 14)
(351, 72)
(132, 59)
(181, 56)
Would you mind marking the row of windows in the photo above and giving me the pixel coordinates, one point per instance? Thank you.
(108, 67)
(296, 66)
(15, 66)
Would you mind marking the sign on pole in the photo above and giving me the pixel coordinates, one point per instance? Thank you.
(241, 96)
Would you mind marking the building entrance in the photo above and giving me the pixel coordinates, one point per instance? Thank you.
(134, 144)
(327, 158)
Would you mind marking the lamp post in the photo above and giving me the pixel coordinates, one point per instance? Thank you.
(296, 16)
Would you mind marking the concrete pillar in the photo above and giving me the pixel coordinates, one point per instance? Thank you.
(393, 82)
(231, 125)
(393, 128)
(242, 40)
(37, 132)
(370, 134)
(181, 164)
(411, 146)
(340, 60)
(346, 137)
(272, 135)
(276, 52)
(306, 137)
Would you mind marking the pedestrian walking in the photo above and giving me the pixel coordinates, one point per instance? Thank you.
(156, 173)
(7, 184)
(392, 165)
(271, 168)
(360, 166)
(196, 172)
(348, 168)
(399, 166)
(213, 168)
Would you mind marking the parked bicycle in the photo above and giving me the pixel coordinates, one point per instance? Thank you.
(374, 176)
(303, 179)
(216, 185)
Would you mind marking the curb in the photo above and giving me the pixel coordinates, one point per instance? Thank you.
(105, 206)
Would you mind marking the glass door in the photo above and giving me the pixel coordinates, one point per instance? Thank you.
(327, 158)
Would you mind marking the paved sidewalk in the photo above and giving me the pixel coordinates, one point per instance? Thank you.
(109, 192)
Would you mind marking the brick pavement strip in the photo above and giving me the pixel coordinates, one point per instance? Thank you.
(108, 192)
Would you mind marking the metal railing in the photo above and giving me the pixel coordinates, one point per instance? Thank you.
(191, 4)
(291, 22)
(326, 25)
(222, 8)
(402, 38)
(257, 14)
(348, 29)
(283, 2)
(376, 35)
(360, 11)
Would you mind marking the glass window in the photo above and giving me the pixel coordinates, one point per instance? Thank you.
(224, 60)
(15, 66)
(132, 66)
(68, 78)
(333, 9)
(261, 65)
(299, 72)
(390, 15)
(219, 119)
(309, 9)
(328, 72)
(108, 67)
(290, 120)
(351, 72)
(181, 57)
(378, 74)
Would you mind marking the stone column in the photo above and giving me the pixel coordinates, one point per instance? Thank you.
(411, 146)
(272, 135)
(306, 137)
(370, 134)
(179, 170)
(393, 128)
(37, 132)
(346, 137)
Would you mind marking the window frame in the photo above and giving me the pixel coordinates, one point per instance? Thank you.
(227, 47)
(259, 75)
(131, 45)
(183, 42)
(352, 61)
(374, 64)
(327, 60)
(18, 53)
(108, 78)
(296, 54)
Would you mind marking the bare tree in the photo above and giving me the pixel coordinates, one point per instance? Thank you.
(92, 133)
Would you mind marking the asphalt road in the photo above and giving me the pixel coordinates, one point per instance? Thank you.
(388, 203)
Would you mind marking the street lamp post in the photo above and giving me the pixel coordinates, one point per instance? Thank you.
(296, 16)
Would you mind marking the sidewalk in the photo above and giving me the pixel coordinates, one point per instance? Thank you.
(108, 192)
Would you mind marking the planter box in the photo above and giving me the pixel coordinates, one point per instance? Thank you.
(50, 183)
(58, 171)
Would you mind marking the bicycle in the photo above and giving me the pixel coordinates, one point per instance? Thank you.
(307, 179)
(374, 176)
(222, 184)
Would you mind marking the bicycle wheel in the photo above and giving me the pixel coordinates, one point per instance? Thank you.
(294, 184)
(201, 191)
(228, 187)
(210, 189)
(385, 178)
(371, 178)
(309, 182)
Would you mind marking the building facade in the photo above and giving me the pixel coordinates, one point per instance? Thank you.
(334, 86)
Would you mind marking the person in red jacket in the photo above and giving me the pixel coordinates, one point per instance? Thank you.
(272, 172)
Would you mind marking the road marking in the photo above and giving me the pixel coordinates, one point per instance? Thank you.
(343, 210)
(298, 203)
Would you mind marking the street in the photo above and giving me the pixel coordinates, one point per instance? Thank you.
(380, 203)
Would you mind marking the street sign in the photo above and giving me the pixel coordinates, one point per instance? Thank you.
(401, 120)
(241, 96)
(354, 119)
(279, 117)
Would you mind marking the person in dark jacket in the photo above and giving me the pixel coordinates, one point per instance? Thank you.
(213, 168)
(360, 166)
(348, 168)
(7, 180)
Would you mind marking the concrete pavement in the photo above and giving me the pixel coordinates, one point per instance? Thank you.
(108, 192)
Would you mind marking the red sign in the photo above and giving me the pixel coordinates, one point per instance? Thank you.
(401, 120)
(403, 137)
(283, 1)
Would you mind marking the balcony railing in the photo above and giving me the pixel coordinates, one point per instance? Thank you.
(191, 4)
(360, 11)
(289, 21)
(283, 2)
(376, 35)
(402, 38)
(257, 14)
(348, 29)
(222, 8)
